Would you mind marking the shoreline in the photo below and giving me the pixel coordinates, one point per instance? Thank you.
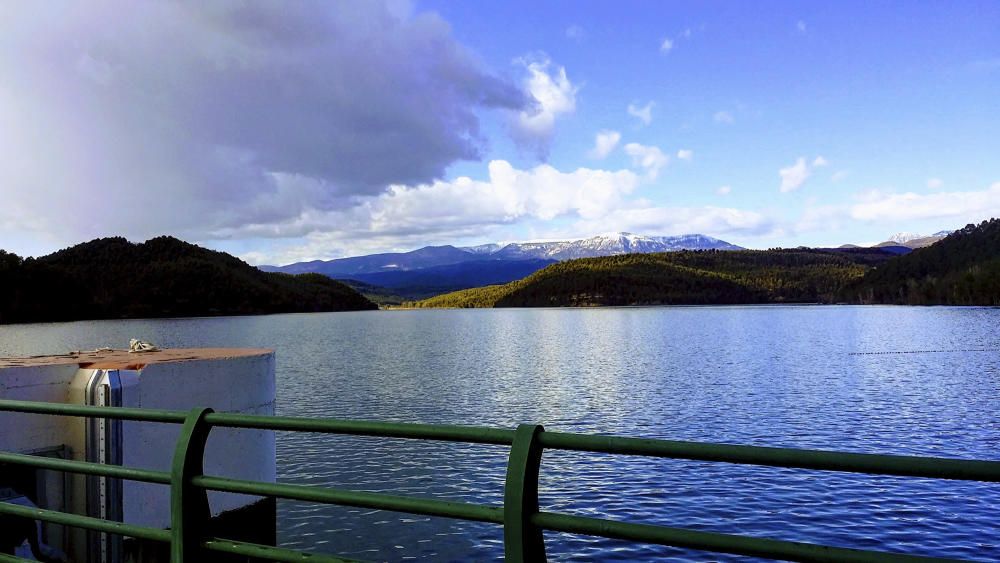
(567, 308)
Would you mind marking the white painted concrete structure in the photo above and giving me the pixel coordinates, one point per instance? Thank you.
(227, 380)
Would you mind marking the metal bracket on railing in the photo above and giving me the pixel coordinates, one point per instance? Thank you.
(189, 511)
(523, 542)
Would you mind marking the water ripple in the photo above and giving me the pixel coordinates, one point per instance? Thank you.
(770, 376)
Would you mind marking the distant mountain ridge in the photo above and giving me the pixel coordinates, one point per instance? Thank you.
(904, 237)
(425, 282)
(610, 245)
(903, 242)
(426, 257)
(913, 241)
(963, 269)
(433, 270)
(433, 256)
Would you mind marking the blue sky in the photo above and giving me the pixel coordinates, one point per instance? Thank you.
(328, 130)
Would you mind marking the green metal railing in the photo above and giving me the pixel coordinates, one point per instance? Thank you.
(523, 523)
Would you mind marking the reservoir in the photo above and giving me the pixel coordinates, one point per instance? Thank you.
(900, 380)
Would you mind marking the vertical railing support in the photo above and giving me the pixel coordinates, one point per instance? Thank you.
(189, 511)
(522, 541)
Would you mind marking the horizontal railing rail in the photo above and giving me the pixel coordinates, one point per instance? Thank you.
(522, 520)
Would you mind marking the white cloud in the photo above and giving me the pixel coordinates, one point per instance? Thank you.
(723, 117)
(962, 207)
(685, 154)
(542, 192)
(449, 223)
(595, 201)
(509, 194)
(604, 142)
(649, 158)
(793, 176)
(442, 211)
(584, 201)
(643, 113)
(800, 26)
(839, 175)
(666, 45)
(709, 220)
(821, 218)
(554, 95)
(934, 183)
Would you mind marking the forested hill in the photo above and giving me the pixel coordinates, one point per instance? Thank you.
(163, 277)
(679, 278)
(962, 269)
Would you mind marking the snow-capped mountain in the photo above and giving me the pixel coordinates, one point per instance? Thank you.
(483, 248)
(608, 245)
(914, 240)
(434, 256)
(904, 237)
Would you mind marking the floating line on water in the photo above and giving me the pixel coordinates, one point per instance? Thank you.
(923, 351)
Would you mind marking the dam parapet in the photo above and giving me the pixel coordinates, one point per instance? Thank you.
(226, 380)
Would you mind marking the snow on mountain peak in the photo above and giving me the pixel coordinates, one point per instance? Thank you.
(905, 237)
(606, 244)
(619, 235)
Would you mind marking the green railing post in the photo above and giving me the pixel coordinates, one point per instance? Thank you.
(189, 511)
(522, 541)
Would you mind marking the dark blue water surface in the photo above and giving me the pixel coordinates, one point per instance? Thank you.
(769, 376)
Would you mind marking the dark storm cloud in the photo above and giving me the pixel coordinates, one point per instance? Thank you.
(195, 117)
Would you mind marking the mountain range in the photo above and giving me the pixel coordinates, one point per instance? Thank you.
(603, 245)
(904, 243)
(433, 270)
(113, 278)
(433, 256)
(913, 240)
(394, 277)
(963, 269)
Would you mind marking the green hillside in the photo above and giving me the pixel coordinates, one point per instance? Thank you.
(962, 269)
(678, 278)
(163, 277)
(381, 296)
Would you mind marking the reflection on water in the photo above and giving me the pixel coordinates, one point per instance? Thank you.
(777, 376)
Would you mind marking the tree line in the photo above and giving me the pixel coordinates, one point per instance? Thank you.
(962, 269)
(696, 277)
(163, 277)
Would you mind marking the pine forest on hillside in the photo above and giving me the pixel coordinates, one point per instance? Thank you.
(163, 277)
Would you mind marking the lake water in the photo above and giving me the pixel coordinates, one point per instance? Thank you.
(769, 376)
